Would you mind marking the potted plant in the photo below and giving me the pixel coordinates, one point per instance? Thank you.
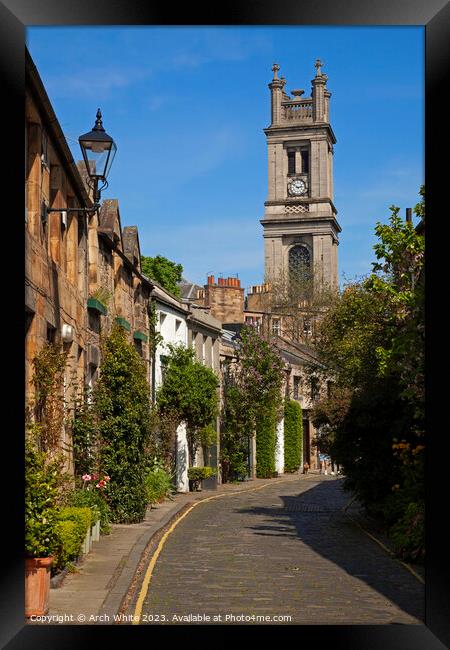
(196, 475)
(41, 539)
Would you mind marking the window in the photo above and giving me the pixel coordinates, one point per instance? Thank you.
(305, 161)
(162, 318)
(177, 326)
(296, 387)
(29, 315)
(138, 347)
(51, 333)
(276, 326)
(299, 263)
(306, 326)
(291, 162)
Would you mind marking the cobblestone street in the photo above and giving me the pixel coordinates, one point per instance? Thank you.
(288, 550)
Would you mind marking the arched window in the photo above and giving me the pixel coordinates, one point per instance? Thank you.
(299, 264)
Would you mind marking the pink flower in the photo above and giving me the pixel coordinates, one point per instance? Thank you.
(106, 478)
(101, 484)
(86, 477)
(94, 477)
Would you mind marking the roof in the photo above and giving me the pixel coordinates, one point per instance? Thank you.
(130, 239)
(109, 219)
(188, 289)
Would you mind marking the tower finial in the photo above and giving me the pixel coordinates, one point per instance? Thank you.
(318, 64)
(275, 69)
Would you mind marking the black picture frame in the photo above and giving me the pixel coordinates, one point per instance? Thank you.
(15, 16)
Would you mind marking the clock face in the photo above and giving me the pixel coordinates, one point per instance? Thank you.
(297, 187)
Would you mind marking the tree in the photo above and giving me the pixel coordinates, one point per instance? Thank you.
(164, 271)
(373, 341)
(299, 302)
(122, 409)
(188, 394)
(253, 403)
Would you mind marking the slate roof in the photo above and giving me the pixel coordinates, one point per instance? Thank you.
(188, 289)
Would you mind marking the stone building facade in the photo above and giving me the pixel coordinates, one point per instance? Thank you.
(56, 242)
(82, 270)
(300, 225)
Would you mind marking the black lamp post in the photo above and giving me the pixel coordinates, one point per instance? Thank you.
(98, 149)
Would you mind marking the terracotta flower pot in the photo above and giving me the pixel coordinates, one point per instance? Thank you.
(37, 585)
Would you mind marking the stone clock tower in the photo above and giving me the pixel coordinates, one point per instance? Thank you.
(300, 226)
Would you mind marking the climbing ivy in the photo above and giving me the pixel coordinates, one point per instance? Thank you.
(121, 398)
(293, 432)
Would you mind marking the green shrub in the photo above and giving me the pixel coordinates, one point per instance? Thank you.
(408, 534)
(266, 440)
(70, 542)
(97, 504)
(200, 473)
(293, 433)
(41, 494)
(81, 516)
(121, 398)
(159, 484)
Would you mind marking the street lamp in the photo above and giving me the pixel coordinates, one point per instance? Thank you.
(98, 149)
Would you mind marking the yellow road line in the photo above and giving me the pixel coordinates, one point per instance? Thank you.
(148, 574)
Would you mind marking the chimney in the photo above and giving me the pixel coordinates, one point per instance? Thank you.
(210, 279)
(409, 215)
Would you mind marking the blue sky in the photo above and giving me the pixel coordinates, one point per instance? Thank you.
(187, 107)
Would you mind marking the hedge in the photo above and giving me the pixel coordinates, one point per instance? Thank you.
(266, 440)
(293, 434)
(88, 498)
(70, 542)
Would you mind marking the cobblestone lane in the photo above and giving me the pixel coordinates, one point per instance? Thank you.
(287, 549)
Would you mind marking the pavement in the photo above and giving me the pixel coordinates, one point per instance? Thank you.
(280, 546)
(94, 593)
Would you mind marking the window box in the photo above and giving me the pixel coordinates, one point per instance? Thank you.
(140, 336)
(96, 305)
(123, 323)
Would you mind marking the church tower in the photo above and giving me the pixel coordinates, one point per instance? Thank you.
(300, 226)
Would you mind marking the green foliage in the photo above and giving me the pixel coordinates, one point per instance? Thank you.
(71, 527)
(189, 393)
(121, 399)
(251, 391)
(266, 440)
(293, 435)
(83, 498)
(103, 295)
(373, 339)
(81, 516)
(159, 483)
(84, 433)
(48, 406)
(200, 473)
(408, 534)
(164, 271)
(41, 499)
(207, 435)
(70, 543)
